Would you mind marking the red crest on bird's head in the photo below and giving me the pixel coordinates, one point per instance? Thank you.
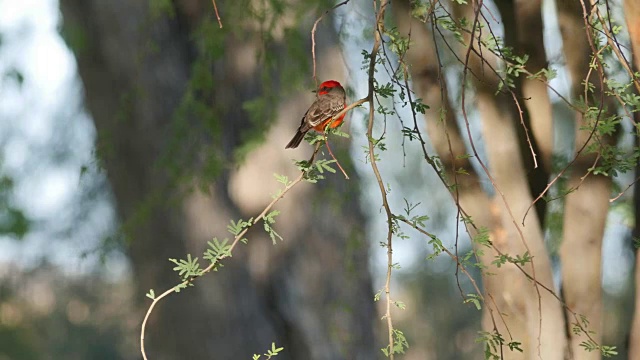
(326, 86)
(330, 84)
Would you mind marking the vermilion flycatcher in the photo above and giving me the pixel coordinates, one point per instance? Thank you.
(330, 100)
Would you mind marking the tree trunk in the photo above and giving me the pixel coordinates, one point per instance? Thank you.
(535, 311)
(581, 248)
(311, 293)
(632, 17)
(512, 301)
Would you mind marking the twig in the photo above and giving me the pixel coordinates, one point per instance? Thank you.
(313, 37)
(349, 107)
(326, 141)
(215, 7)
(625, 190)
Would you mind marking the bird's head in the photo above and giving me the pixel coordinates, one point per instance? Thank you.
(329, 86)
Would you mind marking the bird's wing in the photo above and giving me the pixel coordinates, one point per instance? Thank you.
(324, 108)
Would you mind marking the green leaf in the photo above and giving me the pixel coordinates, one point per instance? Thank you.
(377, 296)
(151, 294)
(269, 220)
(475, 300)
(339, 133)
(482, 237)
(608, 351)
(400, 305)
(217, 250)
(284, 180)
(419, 107)
(386, 91)
(515, 345)
(187, 268)
(236, 228)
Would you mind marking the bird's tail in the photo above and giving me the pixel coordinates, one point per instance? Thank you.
(295, 141)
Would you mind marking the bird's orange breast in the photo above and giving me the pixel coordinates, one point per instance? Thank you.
(333, 125)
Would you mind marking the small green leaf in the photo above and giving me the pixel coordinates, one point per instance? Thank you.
(269, 220)
(400, 305)
(187, 268)
(151, 294)
(217, 250)
(475, 300)
(282, 179)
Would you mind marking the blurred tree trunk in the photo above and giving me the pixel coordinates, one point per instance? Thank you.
(581, 248)
(512, 305)
(632, 17)
(634, 335)
(428, 82)
(446, 138)
(533, 309)
(312, 292)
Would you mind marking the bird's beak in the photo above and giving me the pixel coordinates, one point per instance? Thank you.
(314, 91)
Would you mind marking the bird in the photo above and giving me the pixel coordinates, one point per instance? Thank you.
(330, 100)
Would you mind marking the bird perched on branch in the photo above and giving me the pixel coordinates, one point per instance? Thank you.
(330, 100)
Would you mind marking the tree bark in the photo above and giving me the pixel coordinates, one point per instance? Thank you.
(311, 293)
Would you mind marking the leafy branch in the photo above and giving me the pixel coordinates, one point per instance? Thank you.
(273, 352)
(189, 269)
(391, 349)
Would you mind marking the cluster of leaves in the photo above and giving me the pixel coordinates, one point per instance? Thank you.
(494, 343)
(12, 220)
(400, 344)
(520, 260)
(314, 171)
(580, 327)
(273, 352)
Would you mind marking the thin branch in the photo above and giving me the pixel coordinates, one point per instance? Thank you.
(326, 142)
(215, 7)
(374, 166)
(625, 190)
(313, 37)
